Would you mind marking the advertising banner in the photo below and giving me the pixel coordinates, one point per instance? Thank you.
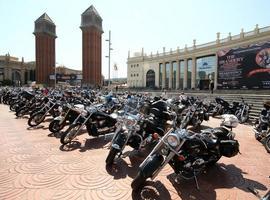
(246, 67)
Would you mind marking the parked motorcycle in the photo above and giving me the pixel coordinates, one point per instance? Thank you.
(93, 119)
(189, 154)
(138, 130)
(262, 126)
(242, 112)
(195, 115)
(50, 108)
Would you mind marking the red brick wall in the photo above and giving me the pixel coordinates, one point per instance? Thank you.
(91, 49)
(45, 58)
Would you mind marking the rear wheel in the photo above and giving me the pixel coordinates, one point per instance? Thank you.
(36, 119)
(69, 134)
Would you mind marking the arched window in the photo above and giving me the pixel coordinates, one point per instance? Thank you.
(150, 78)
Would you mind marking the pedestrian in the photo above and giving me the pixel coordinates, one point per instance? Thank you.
(212, 86)
(116, 88)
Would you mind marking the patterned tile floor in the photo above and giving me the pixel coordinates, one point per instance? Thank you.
(33, 165)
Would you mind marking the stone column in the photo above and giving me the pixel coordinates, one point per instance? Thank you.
(185, 73)
(177, 74)
(216, 73)
(171, 75)
(22, 77)
(193, 73)
(163, 74)
(28, 75)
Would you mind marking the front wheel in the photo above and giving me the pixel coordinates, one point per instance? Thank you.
(55, 126)
(147, 171)
(21, 112)
(70, 134)
(267, 143)
(110, 158)
(36, 119)
(138, 181)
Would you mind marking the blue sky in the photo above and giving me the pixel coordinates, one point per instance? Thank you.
(152, 24)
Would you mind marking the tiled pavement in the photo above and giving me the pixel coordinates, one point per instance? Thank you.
(33, 165)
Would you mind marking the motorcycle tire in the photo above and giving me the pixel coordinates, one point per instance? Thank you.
(21, 112)
(55, 127)
(138, 181)
(12, 107)
(69, 134)
(213, 162)
(110, 158)
(147, 171)
(244, 118)
(257, 136)
(36, 119)
(267, 143)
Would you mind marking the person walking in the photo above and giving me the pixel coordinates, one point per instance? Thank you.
(212, 86)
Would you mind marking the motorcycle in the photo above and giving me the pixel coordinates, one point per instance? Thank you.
(242, 113)
(137, 130)
(189, 154)
(262, 126)
(49, 108)
(68, 113)
(195, 115)
(93, 119)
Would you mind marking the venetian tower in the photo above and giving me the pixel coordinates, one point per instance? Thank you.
(91, 26)
(45, 49)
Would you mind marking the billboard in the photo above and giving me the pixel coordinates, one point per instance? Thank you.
(245, 67)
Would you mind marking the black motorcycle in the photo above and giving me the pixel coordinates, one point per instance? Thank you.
(50, 108)
(138, 130)
(189, 153)
(262, 126)
(96, 122)
(195, 115)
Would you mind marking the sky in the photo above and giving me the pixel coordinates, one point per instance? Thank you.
(134, 24)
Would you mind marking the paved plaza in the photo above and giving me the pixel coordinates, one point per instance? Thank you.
(33, 165)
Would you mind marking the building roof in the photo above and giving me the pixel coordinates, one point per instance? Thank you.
(91, 11)
(46, 18)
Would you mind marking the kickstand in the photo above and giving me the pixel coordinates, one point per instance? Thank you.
(196, 181)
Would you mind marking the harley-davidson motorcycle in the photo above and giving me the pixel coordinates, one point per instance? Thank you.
(138, 130)
(51, 108)
(189, 154)
(262, 126)
(195, 115)
(242, 112)
(94, 119)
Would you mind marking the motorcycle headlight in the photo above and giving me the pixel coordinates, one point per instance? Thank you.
(173, 140)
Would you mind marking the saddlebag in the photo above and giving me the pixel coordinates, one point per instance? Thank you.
(229, 148)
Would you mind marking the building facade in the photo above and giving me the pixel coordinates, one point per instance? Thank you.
(223, 61)
(15, 71)
(91, 26)
(45, 49)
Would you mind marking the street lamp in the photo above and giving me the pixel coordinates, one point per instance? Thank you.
(109, 56)
(55, 76)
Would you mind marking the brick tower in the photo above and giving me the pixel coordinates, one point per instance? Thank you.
(45, 49)
(91, 25)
